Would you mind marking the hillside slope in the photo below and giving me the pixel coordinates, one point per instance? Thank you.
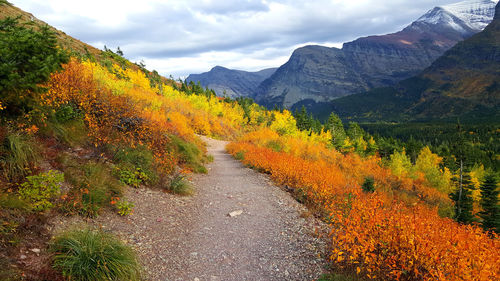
(318, 74)
(464, 82)
(68, 42)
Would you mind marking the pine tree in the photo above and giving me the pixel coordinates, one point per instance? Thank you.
(336, 128)
(490, 213)
(28, 55)
(463, 199)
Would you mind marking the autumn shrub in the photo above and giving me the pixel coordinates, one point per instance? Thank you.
(376, 233)
(92, 255)
(39, 190)
(336, 277)
(19, 155)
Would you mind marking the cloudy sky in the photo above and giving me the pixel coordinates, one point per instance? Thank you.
(179, 37)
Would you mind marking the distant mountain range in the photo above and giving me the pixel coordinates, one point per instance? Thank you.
(231, 83)
(315, 75)
(464, 83)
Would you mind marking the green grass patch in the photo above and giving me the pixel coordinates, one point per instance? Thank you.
(72, 133)
(19, 153)
(91, 255)
(179, 185)
(93, 186)
(189, 154)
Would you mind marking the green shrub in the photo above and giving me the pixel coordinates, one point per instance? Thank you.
(276, 146)
(138, 161)
(90, 255)
(19, 154)
(180, 186)
(368, 185)
(133, 178)
(239, 155)
(124, 207)
(67, 112)
(38, 190)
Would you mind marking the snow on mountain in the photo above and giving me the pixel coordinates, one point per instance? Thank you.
(462, 16)
(476, 13)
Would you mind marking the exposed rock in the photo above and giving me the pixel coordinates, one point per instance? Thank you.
(235, 213)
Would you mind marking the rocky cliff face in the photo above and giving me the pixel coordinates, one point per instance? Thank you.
(232, 83)
(463, 83)
(321, 74)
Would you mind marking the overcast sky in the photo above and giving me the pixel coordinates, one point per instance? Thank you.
(179, 37)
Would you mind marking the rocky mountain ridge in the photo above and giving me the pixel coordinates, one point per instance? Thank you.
(230, 82)
(463, 83)
(316, 74)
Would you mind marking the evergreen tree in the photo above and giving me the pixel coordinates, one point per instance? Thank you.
(355, 131)
(336, 128)
(490, 213)
(28, 55)
(119, 52)
(463, 199)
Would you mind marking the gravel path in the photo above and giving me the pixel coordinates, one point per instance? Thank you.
(195, 238)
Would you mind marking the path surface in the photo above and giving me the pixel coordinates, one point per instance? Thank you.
(194, 238)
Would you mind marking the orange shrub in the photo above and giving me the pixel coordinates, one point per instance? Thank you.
(375, 233)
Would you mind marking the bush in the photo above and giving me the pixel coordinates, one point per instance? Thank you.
(136, 166)
(94, 186)
(38, 190)
(133, 178)
(180, 186)
(368, 185)
(90, 255)
(19, 155)
(124, 207)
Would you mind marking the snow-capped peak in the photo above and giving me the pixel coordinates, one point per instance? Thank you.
(474, 14)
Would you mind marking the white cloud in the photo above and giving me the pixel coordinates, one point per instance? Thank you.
(179, 37)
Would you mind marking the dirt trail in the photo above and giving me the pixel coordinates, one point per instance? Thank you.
(194, 238)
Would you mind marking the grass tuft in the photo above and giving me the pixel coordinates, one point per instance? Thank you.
(180, 186)
(19, 155)
(90, 255)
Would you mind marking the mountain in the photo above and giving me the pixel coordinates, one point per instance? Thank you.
(464, 83)
(234, 83)
(316, 74)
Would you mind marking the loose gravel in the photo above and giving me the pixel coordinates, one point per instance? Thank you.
(237, 226)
